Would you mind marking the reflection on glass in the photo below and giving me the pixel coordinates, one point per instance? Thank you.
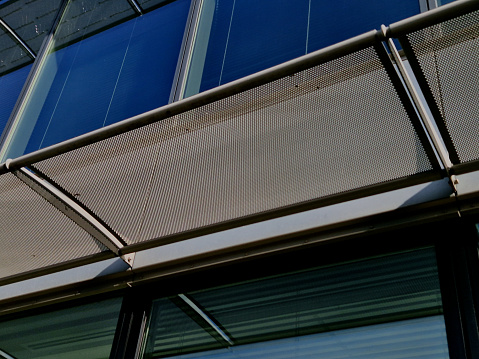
(10, 86)
(12, 56)
(443, 2)
(314, 309)
(101, 68)
(238, 38)
(76, 333)
(31, 19)
(423, 338)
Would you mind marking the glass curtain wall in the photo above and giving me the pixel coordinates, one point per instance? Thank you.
(237, 38)
(104, 64)
(444, 2)
(382, 307)
(30, 20)
(81, 332)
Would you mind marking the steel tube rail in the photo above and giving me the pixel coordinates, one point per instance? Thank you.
(204, 98)
(432, 17)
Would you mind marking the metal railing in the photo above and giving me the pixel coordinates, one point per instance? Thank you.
(331, 126)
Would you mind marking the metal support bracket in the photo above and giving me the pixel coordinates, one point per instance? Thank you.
(129, 259)
(423, 114)
(73, 210)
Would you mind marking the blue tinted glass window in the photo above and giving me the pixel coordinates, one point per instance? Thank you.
(334, 21)
(248, 36)
(443, 2)
(93, 79)
(10, 86)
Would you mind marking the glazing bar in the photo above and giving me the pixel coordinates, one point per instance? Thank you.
(5, 355)
(18, 39)
(207, 319)
(134, 4)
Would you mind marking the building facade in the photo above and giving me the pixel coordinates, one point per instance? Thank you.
(238, 178)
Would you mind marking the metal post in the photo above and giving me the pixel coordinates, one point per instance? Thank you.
(427, 122)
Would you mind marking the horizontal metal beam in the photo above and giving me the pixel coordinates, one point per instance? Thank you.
(432, 17)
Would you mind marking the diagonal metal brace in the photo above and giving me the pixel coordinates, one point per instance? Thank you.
(435, 138)
(73, 210)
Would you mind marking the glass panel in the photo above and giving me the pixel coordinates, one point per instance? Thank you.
(151, 4)
(98, 80)
(31, 19)
(174, 332)
(364, 293)
(12, 56)
(10, 86)
(76, 333)
(443, 2)
(423, 338)
(84, 18)
(335, 21)
(238, 38)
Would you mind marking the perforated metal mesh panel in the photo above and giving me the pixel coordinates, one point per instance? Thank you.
(34, 234)
(448, 54)
(335, 127)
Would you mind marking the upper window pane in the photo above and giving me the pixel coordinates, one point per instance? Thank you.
(238, 38)
(84, 18)
(81, 332)
(99, 71)
(12, 56)
(150, 4)
(31, 20)
(257, 317)
(443, 2)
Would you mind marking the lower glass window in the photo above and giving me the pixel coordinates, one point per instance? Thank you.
(388, 306)
(81, 332)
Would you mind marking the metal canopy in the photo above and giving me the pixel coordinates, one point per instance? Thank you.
(331, 126)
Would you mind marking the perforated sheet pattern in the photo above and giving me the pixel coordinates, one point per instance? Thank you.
(336, 127)
(34, 234)
(448, 54)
